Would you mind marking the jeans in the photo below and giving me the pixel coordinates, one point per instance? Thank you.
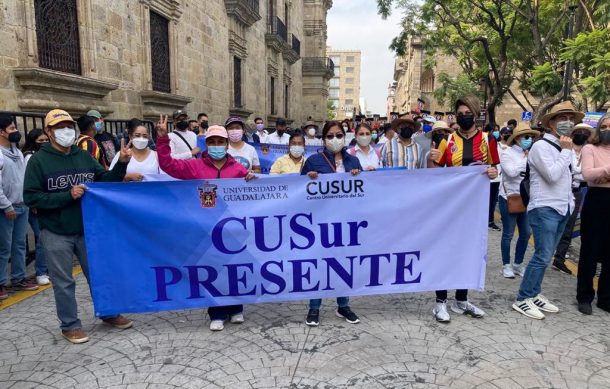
(566, 237)
(342, 302)
(547, 226)
(509, 222)
(41, 261)
(223, 313)
(493, 200)
(59, 251)
(12, 244)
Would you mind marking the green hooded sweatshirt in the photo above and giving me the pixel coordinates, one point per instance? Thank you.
(49, 176)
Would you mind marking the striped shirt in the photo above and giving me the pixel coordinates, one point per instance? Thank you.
(89, 144)
(459, 151)
(395, 154)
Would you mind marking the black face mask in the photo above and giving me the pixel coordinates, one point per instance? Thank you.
(14, 137)
(182, 125)
(465, 122)
(204, 124)
(406, 133)
(280, 132)
(580, 139)
(604, 137)
(505, 137)
(438, 138)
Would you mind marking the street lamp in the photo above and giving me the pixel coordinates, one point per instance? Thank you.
(567, 77)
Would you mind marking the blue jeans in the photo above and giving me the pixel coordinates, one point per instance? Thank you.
(317, 303)
(12, 244)
(59, 251)
(509, 222)
(547, 226)
(41, 261)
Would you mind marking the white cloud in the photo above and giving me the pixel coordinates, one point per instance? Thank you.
(355, 25)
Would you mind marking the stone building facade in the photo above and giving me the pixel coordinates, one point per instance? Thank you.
(141, 58)
(344, 91)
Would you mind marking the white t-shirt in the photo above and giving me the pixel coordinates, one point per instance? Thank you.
(246, 155)
(179, 149)
(313, 142)
(148, 166)
(275, 139)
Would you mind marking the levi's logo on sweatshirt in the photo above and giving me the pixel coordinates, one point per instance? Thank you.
(61, 181)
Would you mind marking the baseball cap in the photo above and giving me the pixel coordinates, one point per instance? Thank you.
(280, 122)
(95, 114)
(219, 131)
(57, 116)
(178, 113)
(234, 119)
(429, 119)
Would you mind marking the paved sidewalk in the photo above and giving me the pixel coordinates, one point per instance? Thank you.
(397, 345)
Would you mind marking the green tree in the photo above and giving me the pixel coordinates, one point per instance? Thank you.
(453, 87)
(330, 110)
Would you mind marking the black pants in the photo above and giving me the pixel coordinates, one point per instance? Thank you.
(566, 238)
(225, 312)
(594, 247)
(493, 200)
(460, 295)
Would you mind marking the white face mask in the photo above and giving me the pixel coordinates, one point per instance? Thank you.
(65, 136)
(297, 151)
(140, 143)
(565, 127)
(311, 132)
(364, 140)
(335, 145)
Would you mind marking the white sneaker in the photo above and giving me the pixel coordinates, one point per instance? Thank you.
(528, 308)
(544, 304)
(440, 312)
(217, 325)
(507, 271)
(43, 280)
(238, 318)
(519, 269)
(467, 308)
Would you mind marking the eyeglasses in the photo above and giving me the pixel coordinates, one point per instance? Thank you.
(332, 136)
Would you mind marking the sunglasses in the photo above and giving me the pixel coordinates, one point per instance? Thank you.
(331, 136)
(604, 128)
(527, 137)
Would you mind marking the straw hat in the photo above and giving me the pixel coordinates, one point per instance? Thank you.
(522, 128)
(561, 108)
(439, 125)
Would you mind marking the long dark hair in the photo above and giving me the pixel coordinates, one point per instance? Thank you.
(30, 145)
(132, 125)
(329, 125)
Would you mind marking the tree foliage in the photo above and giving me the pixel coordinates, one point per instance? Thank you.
(453, 87)
(330, 110)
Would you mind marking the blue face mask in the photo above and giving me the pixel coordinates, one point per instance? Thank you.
(427, 127)
(525, 143)
(496, 134)
(217, 152)
(99, 127)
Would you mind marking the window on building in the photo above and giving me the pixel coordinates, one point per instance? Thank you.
(349, 102)
(334, 93)
(349, 80)
(57, 35)
(272, 96)
(286, 16)
(271, 10)
(286, 101)
(337, 71)
(159, 52)
(336, 60)
(349, 70)
(427, 81)
(349, 58)
(349, 91)
(237, 98)
(334, 82)
(335, 103)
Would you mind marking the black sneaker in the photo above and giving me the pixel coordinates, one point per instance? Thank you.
(349, 316)
(313, 318)
(493, 226)
(561, 266)
(585, 308)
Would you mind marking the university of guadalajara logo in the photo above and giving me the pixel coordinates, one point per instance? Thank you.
(265, 149)
(207, 195)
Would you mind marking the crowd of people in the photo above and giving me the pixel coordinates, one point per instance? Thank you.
(538, 178)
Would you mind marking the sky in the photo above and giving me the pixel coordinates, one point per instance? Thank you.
(355, 25)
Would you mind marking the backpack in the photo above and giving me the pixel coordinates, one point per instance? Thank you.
(524, 187)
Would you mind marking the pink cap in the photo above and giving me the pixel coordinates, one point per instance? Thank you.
(216, 131)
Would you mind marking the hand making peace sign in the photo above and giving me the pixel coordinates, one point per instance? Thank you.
(162, 126)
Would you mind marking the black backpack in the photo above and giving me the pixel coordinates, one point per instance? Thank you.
(524, 187)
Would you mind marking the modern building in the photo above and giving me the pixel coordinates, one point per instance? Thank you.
(344, 90)
(142, 58)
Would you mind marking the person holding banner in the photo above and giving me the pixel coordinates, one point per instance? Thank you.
(366, 154)
(240, 150)
(464, 147)
(55, 180)
(214, 163)
(293, 161)
(594, 226)
(333, 159)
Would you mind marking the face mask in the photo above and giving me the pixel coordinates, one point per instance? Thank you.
(427, 128)
(496, 134)
(374, 136)
(505, 137)
(335, 145)
(364, 140)
(297, 151)
(99, 127)
(65, 136)
(235, 135)
(525, 143)
(565, 127)
(311, 132)
(280, 133)
(204, 124)
(604, 137)
(182, 125)
(465, 122)
(14, 137)
(580, 139)
(438, 138)
(217, 152)
(406, 133)
(345, 128)
(260, 127)
(139, 143)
